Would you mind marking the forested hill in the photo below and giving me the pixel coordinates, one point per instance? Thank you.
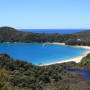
(8, 34)
(83, 34)
(79, 38)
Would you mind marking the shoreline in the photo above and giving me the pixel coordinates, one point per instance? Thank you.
(74, 59)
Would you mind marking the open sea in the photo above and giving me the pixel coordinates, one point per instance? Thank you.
(60, 31)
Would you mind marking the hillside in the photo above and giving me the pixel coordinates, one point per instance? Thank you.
(8, 34)
(79, 38)
(84, 35)
(86, 62)
(19, 75)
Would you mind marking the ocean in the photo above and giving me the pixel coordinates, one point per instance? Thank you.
(60, 31)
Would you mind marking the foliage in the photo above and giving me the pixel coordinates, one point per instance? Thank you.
(86, 61)
(19, 75)
(8, 34)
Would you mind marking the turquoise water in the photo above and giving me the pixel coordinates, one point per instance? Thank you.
(40, 53)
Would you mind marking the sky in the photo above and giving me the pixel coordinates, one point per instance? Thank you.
(45, 14)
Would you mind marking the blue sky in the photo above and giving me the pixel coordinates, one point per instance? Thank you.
(56, 14)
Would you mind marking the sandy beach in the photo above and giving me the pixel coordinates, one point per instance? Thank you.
(75, 59)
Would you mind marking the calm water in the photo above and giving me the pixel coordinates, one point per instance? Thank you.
(40, 53)
(84, 73)
(61, 31)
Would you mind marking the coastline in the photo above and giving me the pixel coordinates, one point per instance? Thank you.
(74, 59)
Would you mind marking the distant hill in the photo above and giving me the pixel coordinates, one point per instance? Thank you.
(80, 38)
(8, 34)
(83, 34)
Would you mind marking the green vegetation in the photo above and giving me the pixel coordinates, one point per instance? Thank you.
(8, 34)
(19, 75)
(86, 62)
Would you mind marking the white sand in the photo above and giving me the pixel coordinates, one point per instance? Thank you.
(75, 59)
